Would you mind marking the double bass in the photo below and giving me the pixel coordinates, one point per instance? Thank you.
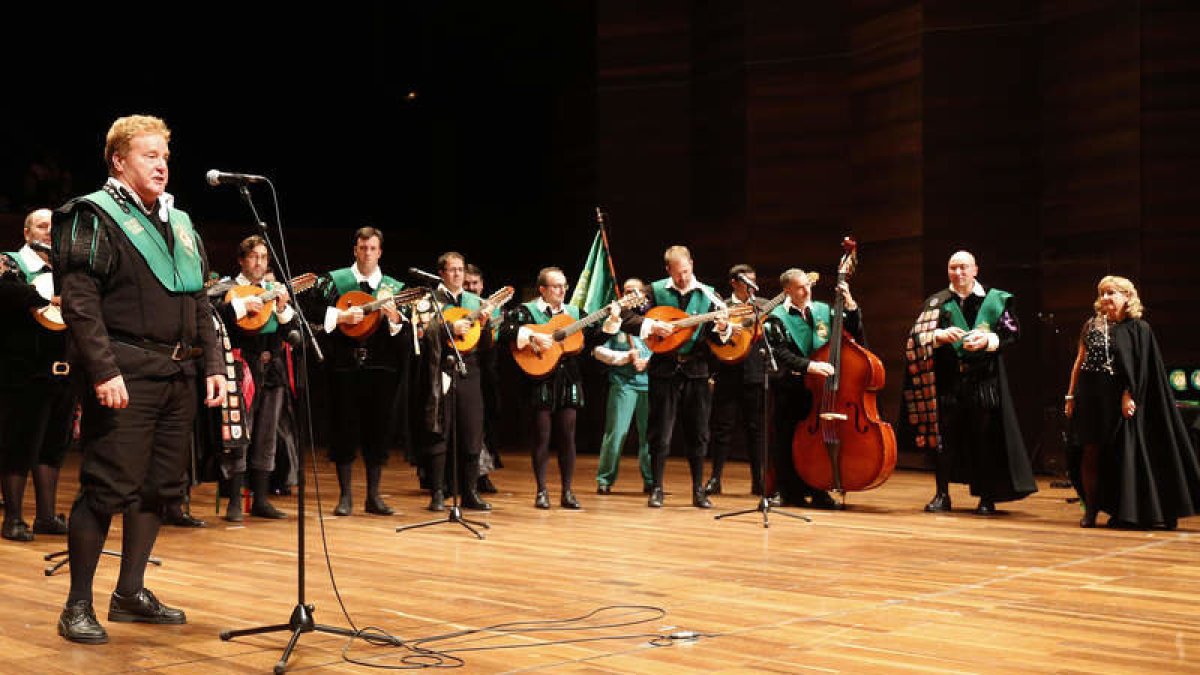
(843, 445)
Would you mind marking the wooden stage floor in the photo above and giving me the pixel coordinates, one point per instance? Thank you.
(881, 587)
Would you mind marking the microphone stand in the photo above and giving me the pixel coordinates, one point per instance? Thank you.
(454, 513)
(764, 505)
(301, 619)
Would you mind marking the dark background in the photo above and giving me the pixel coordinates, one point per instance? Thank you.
(1057, 139)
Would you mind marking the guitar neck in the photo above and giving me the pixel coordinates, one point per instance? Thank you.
(583, 323)
(775, 302)
(697, 319)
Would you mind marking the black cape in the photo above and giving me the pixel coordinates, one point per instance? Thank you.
(1149, 473)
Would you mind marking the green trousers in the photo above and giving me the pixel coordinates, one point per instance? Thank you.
(623, 404)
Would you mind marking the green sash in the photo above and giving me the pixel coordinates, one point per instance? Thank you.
(798, 329)
(698, 303)
(469, 301)
(20, 261)
(989, 313)
(272, 323)
(344, 281)
(179, 271)
(541, 317)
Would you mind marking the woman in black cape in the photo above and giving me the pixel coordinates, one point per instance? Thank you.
(1137, 463)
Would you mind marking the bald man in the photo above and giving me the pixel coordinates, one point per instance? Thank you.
(956, 398)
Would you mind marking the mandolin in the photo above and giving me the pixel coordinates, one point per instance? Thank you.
(254, 321)
(738, 347)
(469, 340)
(568, 338)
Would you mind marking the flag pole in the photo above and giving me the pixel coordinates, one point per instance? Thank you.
(601, 220)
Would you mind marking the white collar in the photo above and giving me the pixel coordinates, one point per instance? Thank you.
(32, 261)
(544, 307)
(977, 289)
(243, 280)
(684, 291)
(165, 201)
(374, 279)
(442, 287)
(787, 305)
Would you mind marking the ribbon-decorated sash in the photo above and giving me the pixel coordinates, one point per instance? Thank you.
(807, 339)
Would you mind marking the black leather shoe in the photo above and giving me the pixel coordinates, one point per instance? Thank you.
(16, 530)
(756, 488)
(604, 489)
(55, 525)
(185, 519)
(233, 511)
(542, 499)
(986, 508)
(1088, 520)
(821, 499)
(485, 485)
(939, 504)
(437, 501)
(142, 607)
(344, 506)
(713, 486)
(647, 488)
(265, 509)
(568, 500)
(377, 506)
(78, 623)
(656, 498)
(700, 499)
(472, 500)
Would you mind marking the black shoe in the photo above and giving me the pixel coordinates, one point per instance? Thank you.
(142, 607)
(78, 623)
(986, 508)
(55, 525)
(647, 488)
(542, 500)
(377, 506)
(713, 486)
(233, 511)
(266, 509)
(282, 491)
(16, 530)
(485, 485)
(604, 489)
(656, 498)
(472, 500)
(939, 504)
(700, 499)
(184, 519)
(437, 501)
(568, 500)
(344, 506)
(1088, 520)
(821, 499)
(756, 488)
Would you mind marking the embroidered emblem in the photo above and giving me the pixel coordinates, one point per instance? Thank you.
(184, 236)
(133, 226)
(822, 330)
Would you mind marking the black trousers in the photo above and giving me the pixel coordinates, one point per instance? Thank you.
(729, 402)
(685, 399)
(35, 424)
(363, 406)
(137, 457)
(792, 405)
(464, 431)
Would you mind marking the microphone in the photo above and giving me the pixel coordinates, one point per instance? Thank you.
(215, 178)
(39, 246)
(746, 280)
(422, 274)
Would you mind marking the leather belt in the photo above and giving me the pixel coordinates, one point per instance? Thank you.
(179, 351)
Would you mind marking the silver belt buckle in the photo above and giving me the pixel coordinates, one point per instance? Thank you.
(175, 352)
(61, 368)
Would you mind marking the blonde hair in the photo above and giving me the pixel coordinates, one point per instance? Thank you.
(122, 132)
(796, 273)
(675, 253)
(1133, 305)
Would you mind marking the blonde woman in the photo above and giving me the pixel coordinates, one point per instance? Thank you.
(1137, 463)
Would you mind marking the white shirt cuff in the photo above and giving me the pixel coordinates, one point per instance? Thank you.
(239, 307)
(993, 342)
(647, 326)
(523, 337)
(286, 315)
(331, 317)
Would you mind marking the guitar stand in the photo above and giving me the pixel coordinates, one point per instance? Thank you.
(51, 569)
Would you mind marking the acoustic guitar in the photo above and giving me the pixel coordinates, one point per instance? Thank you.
(254, 321)
(686, 324)
(371, 307)
(568, 338)
(738, 347)
(467, 342)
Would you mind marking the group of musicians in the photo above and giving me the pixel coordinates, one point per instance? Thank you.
(144, 355)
